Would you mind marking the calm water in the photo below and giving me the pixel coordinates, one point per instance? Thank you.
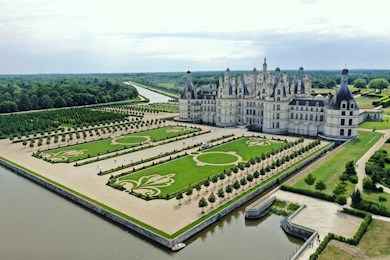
(153, 96)
(38, 224)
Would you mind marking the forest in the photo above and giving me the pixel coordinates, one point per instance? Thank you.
(32, 92)
(174, 82)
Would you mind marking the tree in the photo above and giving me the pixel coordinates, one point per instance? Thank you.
(236, 186)
(350, 168)
(229, 189)
(367, 184)
(378, 84)
(206, 183)
(320, 186)
(214, 179)
(339, 189)
(8, 107)
(256, 175)
(310, 180)
(243, 181)
(59, 102)
(198, 188)
(179, 196)
(249, 178)
(331, 84)
(202, 204)
(221, 194)
(189, 193)
(212, 199)
(356, 198)
(360, 83)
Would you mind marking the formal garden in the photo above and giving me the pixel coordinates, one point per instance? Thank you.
(76, 152)
(206, 167)
(335, 178)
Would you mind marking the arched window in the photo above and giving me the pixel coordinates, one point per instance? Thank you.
(311, 117)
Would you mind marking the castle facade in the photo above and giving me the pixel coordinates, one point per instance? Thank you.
(272, 103)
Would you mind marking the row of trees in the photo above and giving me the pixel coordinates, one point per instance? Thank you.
(22, 124)
(23, 93)
(248, 178)
(378, 83)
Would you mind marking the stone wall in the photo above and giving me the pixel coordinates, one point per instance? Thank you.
(259, 208)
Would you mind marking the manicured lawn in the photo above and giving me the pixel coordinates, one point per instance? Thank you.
(364, 102)
(248, 151)
(186, 172)
(385, 124)
(373, 196)
(332, 168)
(374, 244)
(91, 149)
(217, 158)
(332, 252)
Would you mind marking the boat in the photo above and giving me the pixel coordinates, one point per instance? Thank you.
(179, 246)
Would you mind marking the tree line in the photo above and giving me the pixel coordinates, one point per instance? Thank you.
(31, 92)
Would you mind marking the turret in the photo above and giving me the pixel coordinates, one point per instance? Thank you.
(265, 65)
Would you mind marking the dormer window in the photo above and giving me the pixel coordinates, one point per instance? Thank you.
(343, 105)
(317, 104)
(297, 103)
(278, 91)
(351, 105)
(307, 103)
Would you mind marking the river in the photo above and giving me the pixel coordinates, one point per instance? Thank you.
(38, 224)
(153, 97)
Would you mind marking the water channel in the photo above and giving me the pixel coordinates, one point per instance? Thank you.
(38, 224)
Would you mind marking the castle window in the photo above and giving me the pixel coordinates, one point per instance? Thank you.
(342, 121)
(263, 90)
(292, 115)
(277, 124)
(351, 113)
(311, 117)
(301, 116)
(273, 124)
(317, 104)
(350, 121)
(316, 117)
(322, 110)
(278, 98)
(349, 132)
(343, 113)
(343, 105)
(297, 103)
(351, 105)
(278, 91)
(296, 116)
(307, 103)
(341, 132)
(277, 116)
(321, 118)
(306, 117)
(277, 107)
(239, 90)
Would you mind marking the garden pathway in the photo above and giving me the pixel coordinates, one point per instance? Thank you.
(361, 163)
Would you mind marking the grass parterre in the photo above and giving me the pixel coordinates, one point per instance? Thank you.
(96, 148)
(165, 180)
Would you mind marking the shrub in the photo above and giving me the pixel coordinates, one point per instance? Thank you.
(353, 179)
(342, 200)
(310, 193)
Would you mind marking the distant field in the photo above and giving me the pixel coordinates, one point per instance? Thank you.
(364, 102)
(95, 148)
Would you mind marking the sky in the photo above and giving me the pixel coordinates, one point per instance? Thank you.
(92, 36)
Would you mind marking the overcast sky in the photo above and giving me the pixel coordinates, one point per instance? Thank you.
(79, 36)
